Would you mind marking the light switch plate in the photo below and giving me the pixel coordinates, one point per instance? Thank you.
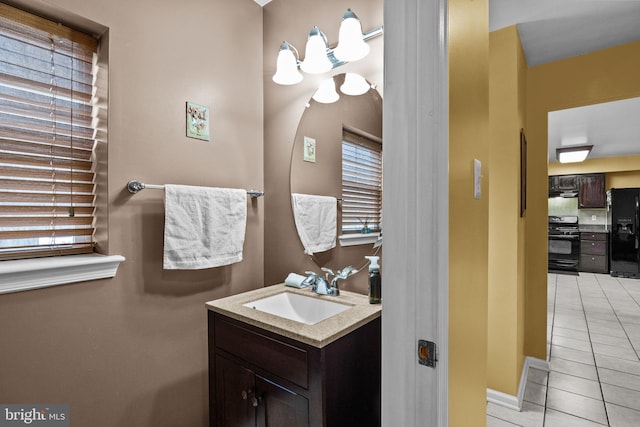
(477, 178)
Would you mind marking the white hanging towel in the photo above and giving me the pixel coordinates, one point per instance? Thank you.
(203, 227)
(316, 221)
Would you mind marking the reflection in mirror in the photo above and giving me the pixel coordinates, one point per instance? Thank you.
(338, 152)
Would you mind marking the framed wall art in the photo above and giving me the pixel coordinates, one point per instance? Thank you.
(197, 121)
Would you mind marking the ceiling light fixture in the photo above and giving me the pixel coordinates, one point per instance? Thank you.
(319, 57)
(573, 154)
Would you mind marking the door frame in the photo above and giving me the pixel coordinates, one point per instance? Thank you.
(415, 200)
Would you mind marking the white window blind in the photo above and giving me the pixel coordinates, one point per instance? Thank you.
(46, 137)
(361, 183)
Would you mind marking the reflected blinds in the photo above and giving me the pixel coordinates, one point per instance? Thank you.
(361, 183)
(46, 137)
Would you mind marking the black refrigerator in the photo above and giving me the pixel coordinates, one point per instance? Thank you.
(625, 218)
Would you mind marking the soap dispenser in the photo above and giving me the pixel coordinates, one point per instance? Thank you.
(375, 281)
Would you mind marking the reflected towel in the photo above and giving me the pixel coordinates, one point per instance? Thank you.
(316, 221)
(204, 227)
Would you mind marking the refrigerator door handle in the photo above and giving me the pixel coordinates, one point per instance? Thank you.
(637, 220)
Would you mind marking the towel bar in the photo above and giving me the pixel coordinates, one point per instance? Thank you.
(135, 186)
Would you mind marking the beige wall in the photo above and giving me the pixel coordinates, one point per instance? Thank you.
(468, 217)
(601, 76)
(284, 106)
(132, 351)
(507, 85)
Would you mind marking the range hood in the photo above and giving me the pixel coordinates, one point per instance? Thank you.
(568, 194)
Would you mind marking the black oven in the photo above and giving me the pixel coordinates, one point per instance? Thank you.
(564, 244)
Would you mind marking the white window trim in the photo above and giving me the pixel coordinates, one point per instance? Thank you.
(358, 239)
(34, 273)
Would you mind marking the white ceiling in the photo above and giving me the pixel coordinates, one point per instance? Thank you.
(554, 29)
(613, 128)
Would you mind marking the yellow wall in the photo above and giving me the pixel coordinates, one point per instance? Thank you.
(601, 76)
(507, 86)
(468, 218)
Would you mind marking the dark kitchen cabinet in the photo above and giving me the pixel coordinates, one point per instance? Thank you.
(591, 191)
(594, 252)
(562, 183)
(259, 378)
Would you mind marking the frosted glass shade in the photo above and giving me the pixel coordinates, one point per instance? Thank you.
(573, 154)
(326, 93)
(351, 45)
(316, 60)
(287, 66)
(354, 84)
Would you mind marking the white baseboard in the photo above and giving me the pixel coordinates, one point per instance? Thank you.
(515, 402)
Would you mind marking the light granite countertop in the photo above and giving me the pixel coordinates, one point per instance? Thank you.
(318, 335)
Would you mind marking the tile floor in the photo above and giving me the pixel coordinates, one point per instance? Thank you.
(593, 343)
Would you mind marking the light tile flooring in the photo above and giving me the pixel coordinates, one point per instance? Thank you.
(593, 343)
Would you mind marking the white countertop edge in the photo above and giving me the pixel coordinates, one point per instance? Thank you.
(34, 273)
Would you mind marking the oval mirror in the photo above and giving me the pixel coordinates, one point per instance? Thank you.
(338, 152)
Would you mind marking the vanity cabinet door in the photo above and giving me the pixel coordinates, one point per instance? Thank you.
(235, 391)
(279, 406)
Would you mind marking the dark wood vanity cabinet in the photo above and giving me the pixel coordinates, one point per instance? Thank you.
(591, 191)
(242, 398)
(259, 378)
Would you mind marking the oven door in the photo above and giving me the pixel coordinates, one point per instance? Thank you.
(564, 252)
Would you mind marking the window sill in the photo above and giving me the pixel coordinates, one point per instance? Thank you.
(27, 274)
(358, 239)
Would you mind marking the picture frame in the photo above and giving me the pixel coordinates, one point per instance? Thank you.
(197, 121)
(523, 173)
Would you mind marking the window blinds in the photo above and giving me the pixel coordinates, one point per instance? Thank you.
(361, 183)
(46, 137)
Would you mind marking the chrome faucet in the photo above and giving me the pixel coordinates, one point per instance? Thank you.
(318, 284)
(321, 285)
(340, 274)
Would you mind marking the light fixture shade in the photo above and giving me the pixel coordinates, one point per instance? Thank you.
(287, 66)
(573, 154)
(316, 60)
(326, 93)
(351, 44)
(354, 84)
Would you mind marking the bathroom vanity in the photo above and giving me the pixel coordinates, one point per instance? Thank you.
(268, 370)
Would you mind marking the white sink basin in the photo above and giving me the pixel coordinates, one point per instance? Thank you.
(298, 307)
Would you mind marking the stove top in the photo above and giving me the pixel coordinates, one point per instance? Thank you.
(563, 225)
(564, 220)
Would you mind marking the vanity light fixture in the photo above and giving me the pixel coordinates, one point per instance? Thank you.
(354, 85)
(351, 45)
(287, 66)
(316, 60)
(319, 57)
(573, 154)
(326, 93)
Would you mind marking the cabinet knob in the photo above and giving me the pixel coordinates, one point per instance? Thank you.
(245, 394)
